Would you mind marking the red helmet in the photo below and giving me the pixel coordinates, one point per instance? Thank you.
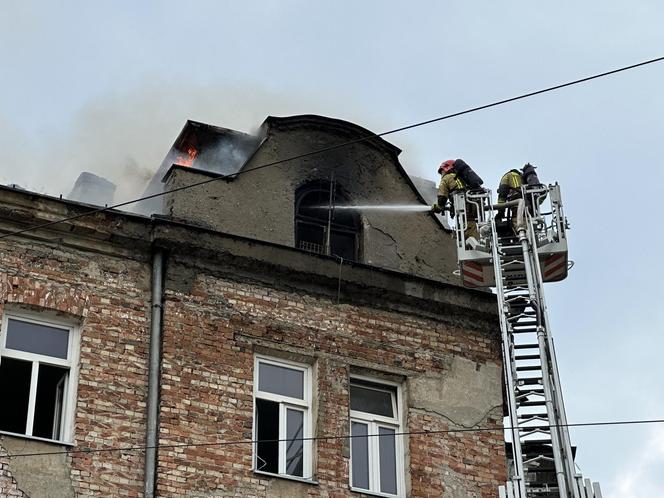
(446, 166)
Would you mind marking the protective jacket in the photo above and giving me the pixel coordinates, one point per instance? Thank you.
(510, 186)
(449, 183)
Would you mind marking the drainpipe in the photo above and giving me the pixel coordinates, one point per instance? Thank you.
(153, 375)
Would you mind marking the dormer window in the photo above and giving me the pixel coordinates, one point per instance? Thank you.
(316, 217)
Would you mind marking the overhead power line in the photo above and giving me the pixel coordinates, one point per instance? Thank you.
(340, 145)
(327, 438)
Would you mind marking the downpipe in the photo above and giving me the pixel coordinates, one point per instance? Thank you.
(154, 366)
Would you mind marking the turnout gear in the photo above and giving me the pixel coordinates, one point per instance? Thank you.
(510, 186)
(466, 173)
(529, 175)
(463, 171)
(450, 183)
(509, 189)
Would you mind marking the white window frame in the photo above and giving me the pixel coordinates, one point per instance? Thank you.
(374, 423)
(286, 403)
(66, 417)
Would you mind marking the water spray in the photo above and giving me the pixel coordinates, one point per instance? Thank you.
(382, 207)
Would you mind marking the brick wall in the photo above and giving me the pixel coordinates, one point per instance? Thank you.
(108, 297)
(212, 331)
(214, 324)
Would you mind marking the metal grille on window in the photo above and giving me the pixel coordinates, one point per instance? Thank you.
(321, 229)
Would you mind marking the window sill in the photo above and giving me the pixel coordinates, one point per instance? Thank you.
(35, 438)
(287, 477)
(373, 493)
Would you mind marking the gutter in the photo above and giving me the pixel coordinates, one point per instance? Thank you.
(150, 478)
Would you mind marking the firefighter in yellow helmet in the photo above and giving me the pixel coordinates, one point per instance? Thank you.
(450, 182)
(509, 189)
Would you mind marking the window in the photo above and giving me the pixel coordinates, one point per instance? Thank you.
(37, 359)
(282, 418)
(313, 221)
(376, 452)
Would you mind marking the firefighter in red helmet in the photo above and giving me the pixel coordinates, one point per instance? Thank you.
(451, 182)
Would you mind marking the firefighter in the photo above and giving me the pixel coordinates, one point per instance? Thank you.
(509, 189)
(450, 182)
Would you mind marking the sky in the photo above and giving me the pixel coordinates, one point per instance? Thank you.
(106, 86)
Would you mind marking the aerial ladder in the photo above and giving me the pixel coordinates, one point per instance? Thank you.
(517, 257)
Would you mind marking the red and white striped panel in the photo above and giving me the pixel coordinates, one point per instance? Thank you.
(472, 274)
(555, 267)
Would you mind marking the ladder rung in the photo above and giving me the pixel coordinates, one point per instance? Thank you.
(527, 357)
(528, 323)
(530, 390)
(513, 262)
(532, 381)
(534, 416)
(534, 442)
(517, 289)
(520, 316)
(527, 394)
(537, 459)
(532, 403)
(510, 249)
(526, 433)
(526, 346)
(527, 330)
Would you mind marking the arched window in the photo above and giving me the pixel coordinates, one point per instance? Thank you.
(314, 220)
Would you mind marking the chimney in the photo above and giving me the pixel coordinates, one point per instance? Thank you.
(92, 189)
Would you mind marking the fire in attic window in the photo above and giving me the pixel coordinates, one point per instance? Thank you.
(313, 222)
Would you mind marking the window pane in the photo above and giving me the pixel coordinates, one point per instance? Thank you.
(39, 339)
(359, 455)
(343, 244)
(294, 448)
(315, 204)
(388, 460)
(15, 393)
(267, 431)
(373, 401)
(47, 403)
(281, 380)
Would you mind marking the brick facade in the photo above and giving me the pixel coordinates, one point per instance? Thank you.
(210, 337)
(222, 306)
(106, 296)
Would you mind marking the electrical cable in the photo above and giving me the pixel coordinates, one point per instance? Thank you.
(338, 146)
(327, 438)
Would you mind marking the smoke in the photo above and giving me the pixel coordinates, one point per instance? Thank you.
(227, 156)
(124, 137)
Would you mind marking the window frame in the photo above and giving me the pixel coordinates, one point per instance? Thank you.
(374, 423)
(68, 400)
(355, 231)
(286, 403)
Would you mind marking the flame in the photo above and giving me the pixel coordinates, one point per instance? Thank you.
(187, 160)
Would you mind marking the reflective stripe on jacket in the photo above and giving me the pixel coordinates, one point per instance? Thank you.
(510, 185)
(449, 183)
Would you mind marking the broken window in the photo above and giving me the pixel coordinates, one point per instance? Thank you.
(376, 448)
(315, 218)
(36, 359)
(282, 418)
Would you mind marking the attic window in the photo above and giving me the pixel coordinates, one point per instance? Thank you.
(313, 220)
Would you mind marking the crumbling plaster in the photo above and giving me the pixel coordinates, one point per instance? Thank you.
(465, 394)
(46, 476)
(261, 204)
